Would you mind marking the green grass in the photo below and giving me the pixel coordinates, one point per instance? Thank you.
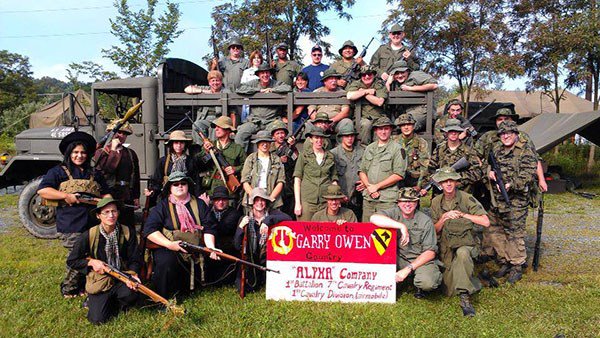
(561, 298)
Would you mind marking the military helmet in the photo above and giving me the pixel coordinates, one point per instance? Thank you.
(382, 122)
(277, 125)
(446, 173)
(345, 129)
(235, 42)
(408, 195)
(316, 132)
(282, 45)
(350, 44)
(405, 119)
(400, 66)
(262, 136)
(506, 112)
(508, 126)
(322, 117)
(453, 125)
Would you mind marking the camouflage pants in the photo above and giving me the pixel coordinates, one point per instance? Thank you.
(74, 281)
(427, 277)
(459, 274)
(506, 236)
(372, 207)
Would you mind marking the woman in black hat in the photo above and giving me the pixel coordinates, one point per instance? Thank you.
(61, 185)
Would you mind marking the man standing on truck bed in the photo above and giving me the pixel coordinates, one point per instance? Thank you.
(231, 66)
(385, 56)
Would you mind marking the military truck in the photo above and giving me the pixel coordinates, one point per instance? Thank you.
(165, 105)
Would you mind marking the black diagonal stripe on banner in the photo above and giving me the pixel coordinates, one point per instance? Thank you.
(378, 238)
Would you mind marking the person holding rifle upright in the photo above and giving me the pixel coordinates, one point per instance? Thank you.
(231, 66)
(121, 169)
(346, 65)
(454, 110)
(116, 244)
(232, 152)
(284, 147)
(417, 154)
(385, 56)
(178, 216)
(517, 164)
(63, 183)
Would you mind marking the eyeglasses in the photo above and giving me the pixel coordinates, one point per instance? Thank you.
(109, 212)
(316, 54)
(176, 184)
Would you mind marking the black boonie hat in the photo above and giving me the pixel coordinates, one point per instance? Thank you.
(78, 136)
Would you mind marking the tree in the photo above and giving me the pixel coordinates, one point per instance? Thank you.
(47, 85)
(468, 40)
(90, 69)
(144, 38)
(261, 22)
(16, 83)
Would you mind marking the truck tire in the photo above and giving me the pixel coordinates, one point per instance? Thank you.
(38, 219)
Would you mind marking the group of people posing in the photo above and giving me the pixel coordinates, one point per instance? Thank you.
(379, 173)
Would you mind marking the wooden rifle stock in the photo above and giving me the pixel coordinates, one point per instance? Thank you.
(202, 249)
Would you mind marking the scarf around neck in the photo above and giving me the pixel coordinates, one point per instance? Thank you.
(112, 246)
(186, 221)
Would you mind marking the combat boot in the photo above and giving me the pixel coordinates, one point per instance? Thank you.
(504, 269)
(419, 293)
(487, 279)
(466, 306)
(515, 274)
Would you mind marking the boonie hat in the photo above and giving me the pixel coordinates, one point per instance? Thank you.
(220, 192)
(264, 67)
(333, 191)
(78, 136)
(223, 122)
(408, 195)
(348, 43)
(446, 173)
(178, 135)
(400, 66)
(453, 125)
(259, 192)
(330, 72)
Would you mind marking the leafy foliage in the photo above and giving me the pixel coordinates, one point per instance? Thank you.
(16, 119)
(144, 37)
(89, 69)
(16, 83)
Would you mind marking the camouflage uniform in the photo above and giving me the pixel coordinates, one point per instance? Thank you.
(369, 112)
(379, 163)
(438, 135)
(507, 230)
(458, 243)
(443, 156)
(417, 155)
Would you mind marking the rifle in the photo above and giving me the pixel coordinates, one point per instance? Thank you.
(214, 43)
(288, 150)
(268, 46)
(146, 271)
(232, 183)
(109, 136)
(461, 164)
(82, 197)
(538, 234)
(139, 287)
(472, 130)
(204, 250)
(354, 70)
(244, 251)
(418, 39)
(499, 179)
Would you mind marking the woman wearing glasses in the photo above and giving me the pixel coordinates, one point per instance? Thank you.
(179, 216)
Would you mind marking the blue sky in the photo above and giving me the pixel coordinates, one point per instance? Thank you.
(55, 33)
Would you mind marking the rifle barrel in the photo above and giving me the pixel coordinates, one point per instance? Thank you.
(205, 250)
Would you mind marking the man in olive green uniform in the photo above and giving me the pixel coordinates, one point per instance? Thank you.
(321, 122)
(348, 155)
(285, 70)
(518, 164)
(372, 95)
(455, 214)
(261, 115)
(417, 154)
(232, 152)
(231, 66)
(334, 212)
(454, 110)
(448, 153)
(403, 78)
(279, 132)
(335, 112)
(385, 56)
(347, 64)
(418, 256)
(382, 167)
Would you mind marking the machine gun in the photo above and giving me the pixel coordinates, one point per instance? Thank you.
(141, 288)
(472, 132)
(354, 70)
(111, 134)
(290, 150)
(231, 182)
(538, 234)
(499, 178)
(461, 164)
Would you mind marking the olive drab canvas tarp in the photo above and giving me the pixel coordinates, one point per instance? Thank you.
(58, 114)
(532, 104)
(549, 129)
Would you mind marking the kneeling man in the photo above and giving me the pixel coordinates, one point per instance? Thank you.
(417, 255)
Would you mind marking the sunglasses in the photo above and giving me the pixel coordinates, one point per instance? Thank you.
(316, 54)
(176, 184)
(121, 132)
(235, 47)
(396, 33)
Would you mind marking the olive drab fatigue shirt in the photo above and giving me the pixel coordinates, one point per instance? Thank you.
(276, 174)
(456, 232)
(264, 114)
(370, 111)
(384, 57)
(330, 109)
(417, 157)
(348, 165)
(344, 214)
(315, 177)
(235, 156)
(439, 136)
(232, 72)
(343, 68)
(286, 71)
(380, 163)
(421, 233)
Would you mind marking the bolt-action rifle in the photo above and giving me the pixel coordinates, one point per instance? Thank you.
(82, 197)
(141, 288)
(289, 150)
(499, 178)
(213, 42)
(207, 251)
(230, 181)
(461, 164)
(106, 139)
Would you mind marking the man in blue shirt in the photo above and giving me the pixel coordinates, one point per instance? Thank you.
(315, 69)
